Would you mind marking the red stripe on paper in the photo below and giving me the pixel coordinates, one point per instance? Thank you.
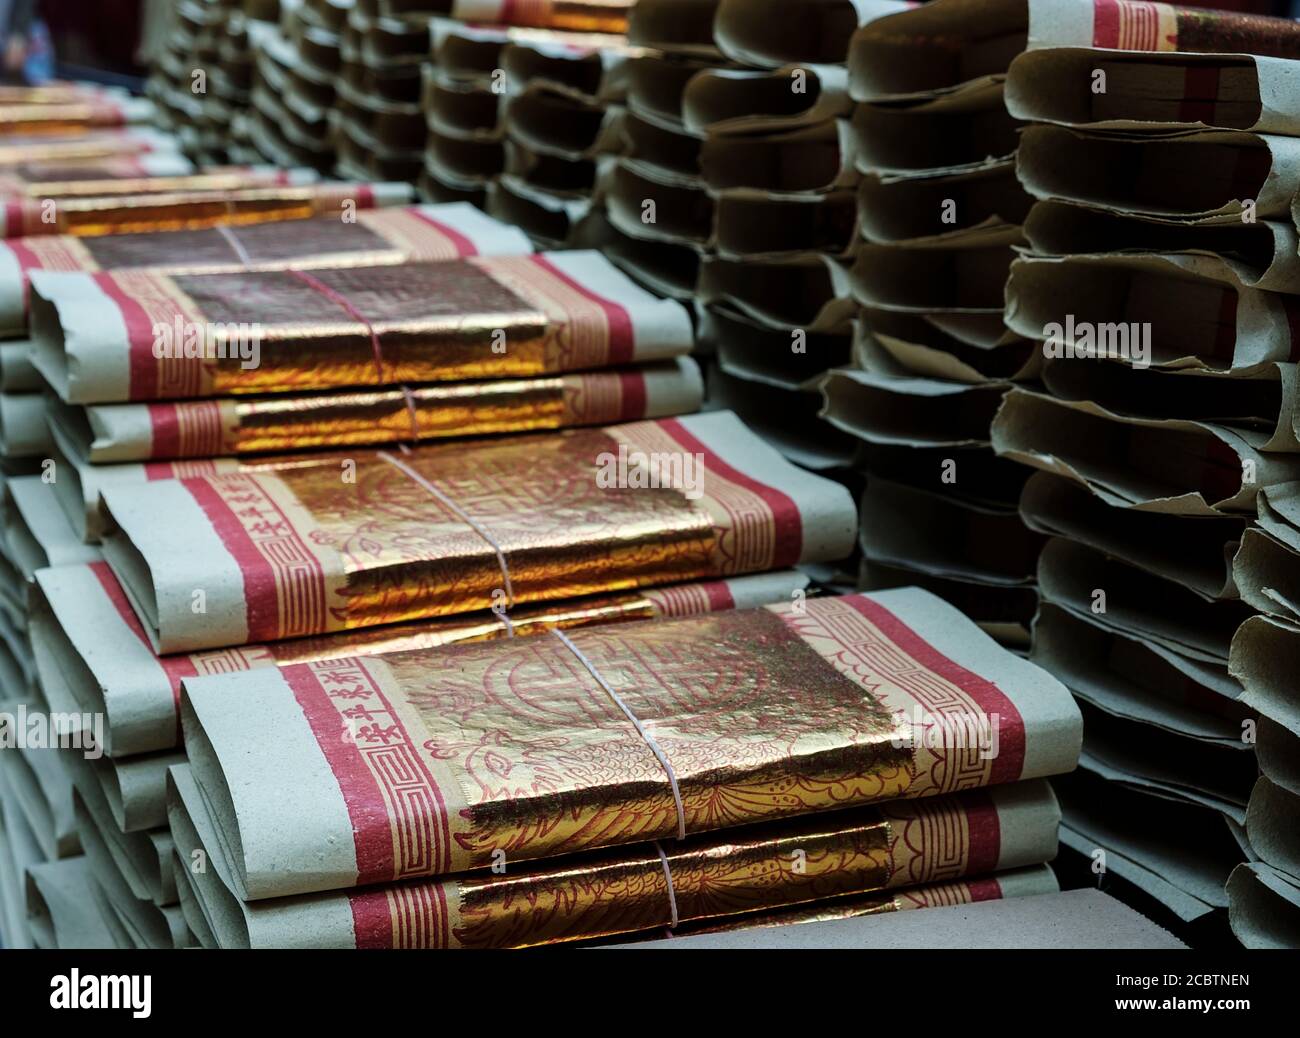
(632, 396)
(720, 596)
(367, 809)
(788, 523)
(995, 703)
(622, 346)
(176, 668)
(1105, 23)
(464, 245)
(984, 832)
(985, 889)
(261, 592)
(139, 337)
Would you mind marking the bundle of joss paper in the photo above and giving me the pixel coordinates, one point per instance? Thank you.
(475, 751)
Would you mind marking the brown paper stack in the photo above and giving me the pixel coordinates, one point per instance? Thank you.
(1158, 280)
(202, 76)
(378, 125)
(940, 214)
(297, 65)
(737, 191)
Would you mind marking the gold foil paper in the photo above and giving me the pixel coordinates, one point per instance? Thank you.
(721, 881)
(180, 210)
(235, 426)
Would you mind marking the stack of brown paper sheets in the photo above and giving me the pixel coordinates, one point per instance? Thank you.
(379, 128)
(201, 76)
(1156, 281)
(736, 190)
(939, 214)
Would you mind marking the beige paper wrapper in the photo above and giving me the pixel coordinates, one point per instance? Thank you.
(1024, 817)
(1196, 631)
(23, 430)
(955, 46)
(140, 860)
(1155, 92)
(1147, 175)
(788, 419)
(1258, 255)
(817, 159)
(906, 345)
(758, 352)
(953, 134)
(808, 292)
(36, 530)
(772, 32)
(1261, 398)
(679, 27)
(942, 536)
(967, 276)
(1191, 309)
(1197, 555)
(910, 412)
(18, 852)
(1275, 748)
(985, 205)
(1273, 824)
(1132, 679)
(1035, 719)
(1263, 658)
(737, 102)
(1179, 854)
(1156, 465)
(16, 372)
(147, 925)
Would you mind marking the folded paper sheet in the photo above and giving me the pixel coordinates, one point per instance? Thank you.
(555, 745)
(140, 336)
(92, 654)
(634, 888)
(324, 543)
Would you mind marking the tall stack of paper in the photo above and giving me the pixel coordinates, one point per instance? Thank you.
(1160, 287)
(552, 87)
(939, 214)
(379, 127)
(738, 190)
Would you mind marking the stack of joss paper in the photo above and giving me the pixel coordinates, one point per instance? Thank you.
(1165, 293)
(832, 756)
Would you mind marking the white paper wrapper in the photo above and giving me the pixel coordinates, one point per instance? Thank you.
(37, 530)
(1245, 92)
